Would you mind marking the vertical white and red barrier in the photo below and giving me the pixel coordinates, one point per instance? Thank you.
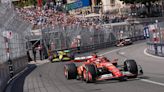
(7, 36)
(11, 70)
(155, 34)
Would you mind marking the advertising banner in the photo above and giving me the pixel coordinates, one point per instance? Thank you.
(146, 32)
(77, 4)
(39, 3)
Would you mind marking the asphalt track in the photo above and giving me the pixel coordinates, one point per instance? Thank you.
(50, 77)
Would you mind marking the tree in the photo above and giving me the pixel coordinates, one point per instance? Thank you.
(23, 3)
(147, 3)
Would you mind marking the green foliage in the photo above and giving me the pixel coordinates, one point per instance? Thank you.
(44, 2)
(23, 3)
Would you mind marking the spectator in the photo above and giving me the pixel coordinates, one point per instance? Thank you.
(34, 53)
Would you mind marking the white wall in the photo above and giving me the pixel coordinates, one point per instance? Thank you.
(71, 1)
(108, 7)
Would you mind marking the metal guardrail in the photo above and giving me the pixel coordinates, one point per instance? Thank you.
(105, 45)
(155, 44)
(156, 49)
(4, 75)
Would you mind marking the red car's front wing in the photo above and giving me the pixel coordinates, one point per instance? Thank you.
(110, 76)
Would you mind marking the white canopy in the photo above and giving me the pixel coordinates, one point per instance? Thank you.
(93, 15)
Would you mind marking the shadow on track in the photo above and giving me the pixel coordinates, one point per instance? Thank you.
(144, 77)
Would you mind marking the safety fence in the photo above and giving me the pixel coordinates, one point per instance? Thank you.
(156, 39)
(92, 37)
(13, 54)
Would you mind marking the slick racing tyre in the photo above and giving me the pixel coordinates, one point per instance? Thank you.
(89, 73)
(131, 66)
(70, 71)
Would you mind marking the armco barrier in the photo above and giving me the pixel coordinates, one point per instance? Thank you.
(155, 49)
(4, 75)
(105, 45)
(19, 64)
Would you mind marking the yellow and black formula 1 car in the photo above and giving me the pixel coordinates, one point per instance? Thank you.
(65, 55)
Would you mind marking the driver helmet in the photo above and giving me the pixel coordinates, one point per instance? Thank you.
(94, 55)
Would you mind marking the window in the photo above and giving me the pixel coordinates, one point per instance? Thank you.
(98, 2)
(112, 2)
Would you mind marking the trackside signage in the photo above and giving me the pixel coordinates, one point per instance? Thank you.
(8, 34)
(77, 4)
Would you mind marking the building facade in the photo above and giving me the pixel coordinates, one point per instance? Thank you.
(71, 1)
(108, 5)
(103, 6)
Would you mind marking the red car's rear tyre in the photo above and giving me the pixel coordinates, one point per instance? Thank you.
(131, 66)
(89, 73)
(70, 71)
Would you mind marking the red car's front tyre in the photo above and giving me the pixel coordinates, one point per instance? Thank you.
(131, 66)
(89, 73)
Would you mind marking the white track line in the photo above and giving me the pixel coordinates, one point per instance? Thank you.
(113, 51)
(109, 52)
(145, 52)
(143, 80)
(152, 82)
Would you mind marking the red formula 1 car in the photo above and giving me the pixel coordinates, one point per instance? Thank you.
(100, 68)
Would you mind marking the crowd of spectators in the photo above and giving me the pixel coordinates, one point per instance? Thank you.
(40, 17)
(50, 17)
(43, 17)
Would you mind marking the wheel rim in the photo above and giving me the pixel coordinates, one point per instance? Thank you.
(84, 74)
(66, 73)
(87, 76)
